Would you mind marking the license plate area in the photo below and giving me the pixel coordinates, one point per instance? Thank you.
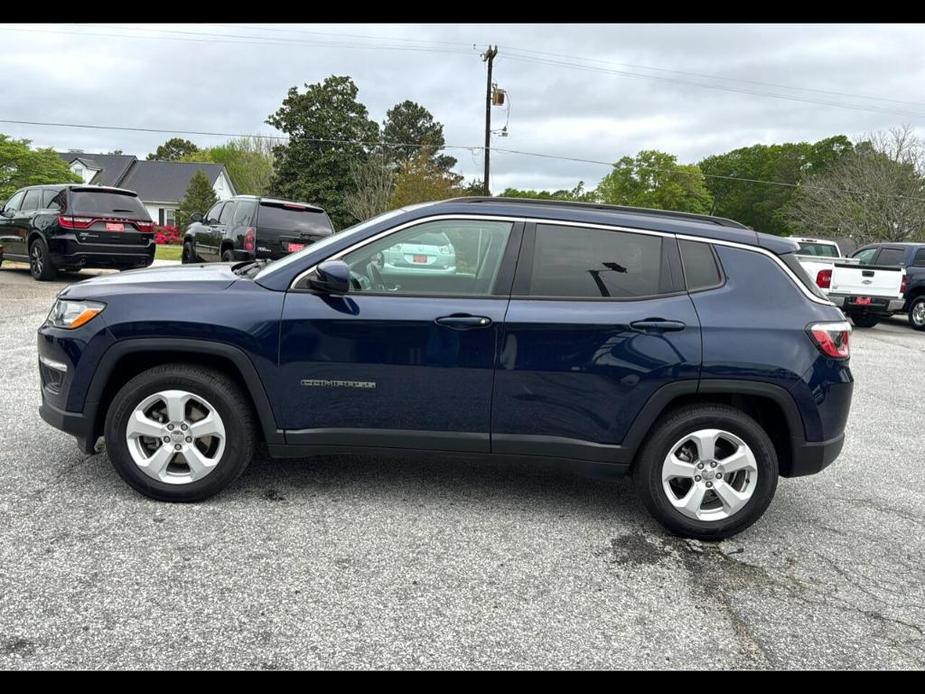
(294, 247)
(862, 301)
(115, 226)
(420, 259)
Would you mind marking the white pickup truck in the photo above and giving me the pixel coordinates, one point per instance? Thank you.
(866, 293)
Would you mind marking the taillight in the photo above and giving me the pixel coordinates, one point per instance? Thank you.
(904, 284)
(144, 226)
(831, 338)
(824, 279)
(71, 222)
(250, 239)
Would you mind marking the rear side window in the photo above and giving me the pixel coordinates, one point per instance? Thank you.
(243, 213)
(891, 256)
(577, 262)
(296, 219)
(32, 201)
(50, 200)
(226, 215)
(919, 258)
(89, 202)
(700, 267)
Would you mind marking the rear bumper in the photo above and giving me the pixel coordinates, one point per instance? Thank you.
(67, 251)
(880, 306)
(810, 457)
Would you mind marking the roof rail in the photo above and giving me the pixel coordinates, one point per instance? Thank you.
(692, 216)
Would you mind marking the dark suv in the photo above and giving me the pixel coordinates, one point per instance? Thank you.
(912, 257)
(246, 227)
(69, 227)
(688, 350)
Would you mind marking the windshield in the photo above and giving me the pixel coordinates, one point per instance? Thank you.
(825, 249)
(334, 238)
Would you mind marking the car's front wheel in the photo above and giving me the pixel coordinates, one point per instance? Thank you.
(188, 255)
(707, 471)
(180, 432)
(917, 313)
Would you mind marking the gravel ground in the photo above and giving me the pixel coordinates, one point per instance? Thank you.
(387, 563)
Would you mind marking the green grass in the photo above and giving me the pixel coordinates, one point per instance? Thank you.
(164, 252)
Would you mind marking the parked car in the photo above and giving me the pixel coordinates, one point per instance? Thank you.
(70, 227)
(247, 227)
(911, 257)
(688, 350)
(821, 247)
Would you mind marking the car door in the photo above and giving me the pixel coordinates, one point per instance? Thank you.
(404, 362)
(10, 222)
(22, 222)
(206, 234)
(598, 322)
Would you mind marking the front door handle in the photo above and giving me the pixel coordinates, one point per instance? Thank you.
(463, 321)
(658, 325)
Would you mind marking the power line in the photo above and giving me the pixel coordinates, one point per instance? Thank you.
(471, 148)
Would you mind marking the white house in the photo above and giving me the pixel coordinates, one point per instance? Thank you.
(160, 184)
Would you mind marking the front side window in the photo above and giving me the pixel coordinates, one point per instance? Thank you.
(212, 215)
(578, 262)
(866, 257)
(13, 204)
(460, 257)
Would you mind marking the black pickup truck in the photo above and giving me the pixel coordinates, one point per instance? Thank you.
(247, 227)
(912, 257)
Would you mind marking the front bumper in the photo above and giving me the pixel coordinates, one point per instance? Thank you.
(74, 423)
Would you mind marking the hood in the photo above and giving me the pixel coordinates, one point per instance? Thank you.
(196, 278)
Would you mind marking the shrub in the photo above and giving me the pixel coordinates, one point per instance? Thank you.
(169, 235)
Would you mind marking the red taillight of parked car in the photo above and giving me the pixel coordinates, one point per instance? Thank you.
(250, 240)
(832, 338)
(70, 222)
(824, 279)
(144, 226)
(904, 284)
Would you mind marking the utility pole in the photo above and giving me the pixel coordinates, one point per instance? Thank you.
(488, 57)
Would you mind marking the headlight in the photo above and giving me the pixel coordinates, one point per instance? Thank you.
(73, 314)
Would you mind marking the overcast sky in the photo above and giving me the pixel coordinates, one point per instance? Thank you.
(625, 88)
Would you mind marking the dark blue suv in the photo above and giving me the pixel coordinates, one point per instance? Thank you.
(688, 350)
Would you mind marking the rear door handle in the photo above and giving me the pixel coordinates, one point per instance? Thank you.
(463, 321)
(658, 325)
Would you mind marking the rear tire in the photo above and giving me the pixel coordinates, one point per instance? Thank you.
(917, 313)
(188, 255)
(694, 501)
(158, 460)
(40, 261)
(863, 320)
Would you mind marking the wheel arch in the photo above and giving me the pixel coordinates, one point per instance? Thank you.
(126, 359)
(770, 405)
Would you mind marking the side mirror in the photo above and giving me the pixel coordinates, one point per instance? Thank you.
(195, 217)
(331, 277)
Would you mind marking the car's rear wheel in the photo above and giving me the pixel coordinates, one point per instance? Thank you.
(188, 255)
(864, 320)
(707, 471)
(180, 432)
(917, 313)
(40, 261)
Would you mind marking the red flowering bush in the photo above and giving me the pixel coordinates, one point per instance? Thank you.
(169, 235)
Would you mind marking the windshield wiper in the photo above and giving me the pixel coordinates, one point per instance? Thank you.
(248, 268)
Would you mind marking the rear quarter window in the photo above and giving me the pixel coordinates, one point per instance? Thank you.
(919, 260)
(892, 256)
(701, 269)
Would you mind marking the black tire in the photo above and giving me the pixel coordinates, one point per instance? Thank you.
(222, 393)
(864, 320)
(40, 261)
(228, 256)
(188, 255)
(647, 471)
(917, 306)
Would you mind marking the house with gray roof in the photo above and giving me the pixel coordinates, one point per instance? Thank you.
(160, 184)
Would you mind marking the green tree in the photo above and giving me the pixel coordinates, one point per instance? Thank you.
(655, 179)
(198, 199)
(576, 194)
(327, 129)
(412, 124)
(173, 150)
(248, 161)
(421, 179)
(762, 206)
(22, 166)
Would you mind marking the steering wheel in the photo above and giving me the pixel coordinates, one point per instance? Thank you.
(375, 278)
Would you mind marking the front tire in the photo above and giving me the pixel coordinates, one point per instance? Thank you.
(188, 255)
(180, 432)
(707, 472)
(917, 313)
(40, 261)
(228, 256)
(862, 320)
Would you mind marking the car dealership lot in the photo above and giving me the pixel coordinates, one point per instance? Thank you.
(365, 562)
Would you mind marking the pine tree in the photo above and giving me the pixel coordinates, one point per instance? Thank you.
(199, 199)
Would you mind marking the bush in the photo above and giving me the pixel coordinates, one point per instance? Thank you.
(166, 235)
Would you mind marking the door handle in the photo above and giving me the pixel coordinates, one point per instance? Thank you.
(463, 321)
(658, 325)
